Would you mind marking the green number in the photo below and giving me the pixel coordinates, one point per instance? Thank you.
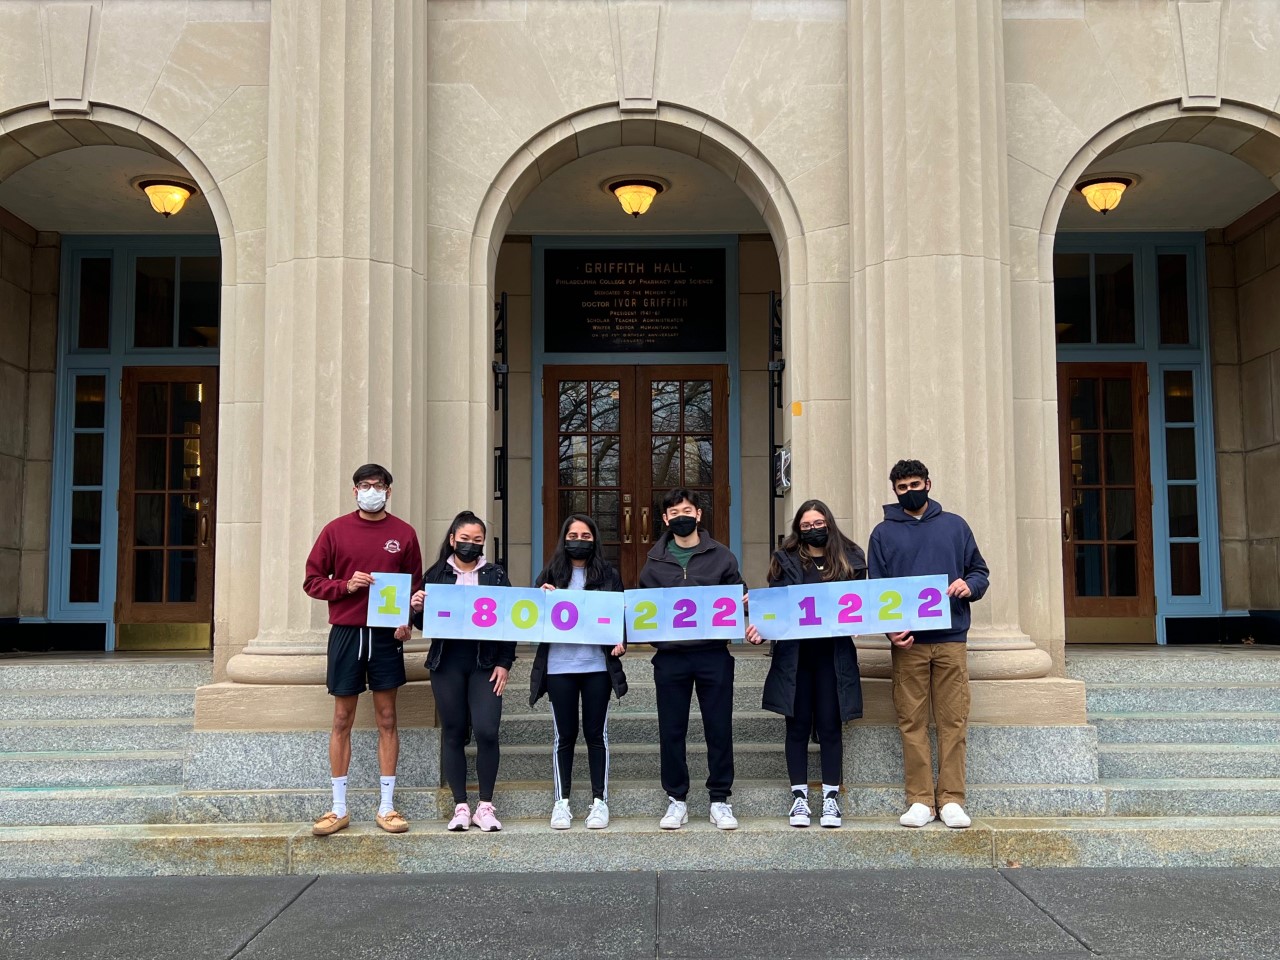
(646, 612)
(524, 614)
(891, 599)
(388, 595)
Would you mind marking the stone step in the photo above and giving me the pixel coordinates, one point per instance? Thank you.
(36, 806)
(1192, 797)
(640, 761)
(643, 698)
(1199, 728)
(105, 769)
(289, 848)
(1155, 760)
(83, 735)
(1178, 665)
(750, 666)
(1184, 698)
(96, 705)
(749, 726)
(103, 674)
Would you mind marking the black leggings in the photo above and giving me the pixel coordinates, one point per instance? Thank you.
(594, 689)
(817, 706)
(463, 691)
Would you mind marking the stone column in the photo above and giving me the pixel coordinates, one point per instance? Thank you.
(931, 345)
(342, 352)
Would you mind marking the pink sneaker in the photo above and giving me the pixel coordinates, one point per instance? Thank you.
(461, 817)
(485, 818)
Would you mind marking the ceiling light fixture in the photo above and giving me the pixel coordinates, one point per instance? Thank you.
(1103, 193)
(635, 194)
(168, 196)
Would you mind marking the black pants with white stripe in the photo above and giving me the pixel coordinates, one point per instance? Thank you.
(593, 690)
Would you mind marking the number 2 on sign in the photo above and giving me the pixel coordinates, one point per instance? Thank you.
(891, 600)
(646, 616)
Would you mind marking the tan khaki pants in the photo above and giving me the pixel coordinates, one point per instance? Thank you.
(937, 672)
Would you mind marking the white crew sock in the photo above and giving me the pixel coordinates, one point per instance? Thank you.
(802, 788)
(828, 789)
(340, 796)
(388, 788)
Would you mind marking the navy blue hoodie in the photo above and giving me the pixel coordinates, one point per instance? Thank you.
(938, 542)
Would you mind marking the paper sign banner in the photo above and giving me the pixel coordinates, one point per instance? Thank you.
(389, 600)
(685, 613)
(852, 607)
(592, 617)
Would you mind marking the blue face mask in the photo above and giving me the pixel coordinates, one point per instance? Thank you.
(913, 499)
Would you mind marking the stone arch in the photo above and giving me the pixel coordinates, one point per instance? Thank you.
(33, 133)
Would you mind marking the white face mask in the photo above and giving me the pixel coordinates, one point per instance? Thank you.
(371, 501)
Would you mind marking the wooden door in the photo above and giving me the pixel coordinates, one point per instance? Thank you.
(1105, 465)
(617, 438)
(168, 483)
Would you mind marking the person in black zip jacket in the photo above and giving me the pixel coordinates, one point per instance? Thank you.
(686, 556)
(571, 672)
(814, 682)
(467, 678)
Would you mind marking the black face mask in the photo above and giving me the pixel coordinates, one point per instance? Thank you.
(468, 552)
(579, 549)
(815, 538)
(684, 525)
(913, 499)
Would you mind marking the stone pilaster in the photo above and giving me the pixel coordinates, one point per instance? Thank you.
(341, 349)
(931, 347)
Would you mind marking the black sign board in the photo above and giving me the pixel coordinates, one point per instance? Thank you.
(634, 301)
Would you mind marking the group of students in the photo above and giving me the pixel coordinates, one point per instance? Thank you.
(813, 683)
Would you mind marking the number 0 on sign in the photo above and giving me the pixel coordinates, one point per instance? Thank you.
(389, 600)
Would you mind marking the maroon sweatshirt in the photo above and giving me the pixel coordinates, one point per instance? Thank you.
(349, 544)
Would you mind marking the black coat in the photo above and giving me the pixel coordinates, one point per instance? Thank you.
(489, 653)
(538, 673)
(780, 685)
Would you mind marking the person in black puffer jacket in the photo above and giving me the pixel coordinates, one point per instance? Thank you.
(570, 673)
(814, 682)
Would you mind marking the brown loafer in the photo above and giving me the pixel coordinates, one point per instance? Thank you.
(392, 822)
(329, 823)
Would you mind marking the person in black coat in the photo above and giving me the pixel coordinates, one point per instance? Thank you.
(814, 682)
(467, 677)
(573, 673)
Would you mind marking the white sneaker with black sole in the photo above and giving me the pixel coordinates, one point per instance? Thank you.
(831, 811)
(800, 813)
(677, 815)
(561, 816)
(722, 816)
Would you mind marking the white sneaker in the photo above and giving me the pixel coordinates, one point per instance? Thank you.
(598, 815)
(953, 816)
(677, 815)
(917, 816)
(561, 815)
(722, 816)
(799, 816)
(831, 811)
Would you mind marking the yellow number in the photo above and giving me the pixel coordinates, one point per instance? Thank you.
(389, 605)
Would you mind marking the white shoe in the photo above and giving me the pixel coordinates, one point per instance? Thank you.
(917, 816)
(799, 816)
(831, 811)
(561, 815)
(953, 816)
(722, 816)
(598, 815)
(677, 815)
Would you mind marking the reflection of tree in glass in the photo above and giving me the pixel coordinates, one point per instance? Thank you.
(573, 405)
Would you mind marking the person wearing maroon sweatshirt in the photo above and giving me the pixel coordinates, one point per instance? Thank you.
(346, 559)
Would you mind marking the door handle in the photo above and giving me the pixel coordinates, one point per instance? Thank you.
(204, 530)
(626, 524)
(644, 524)
(1067, 530)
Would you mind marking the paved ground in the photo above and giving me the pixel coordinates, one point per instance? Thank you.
(871, 915)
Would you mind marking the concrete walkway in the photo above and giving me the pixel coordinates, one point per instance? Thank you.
(875, 915)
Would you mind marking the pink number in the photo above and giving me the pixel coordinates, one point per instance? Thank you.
(485, 612)
(931, 600)
(726, 607)
(850, 604)
(564, 615)
(809, 606)
(685, 609)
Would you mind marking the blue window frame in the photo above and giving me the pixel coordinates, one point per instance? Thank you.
(1141, 298)
(124, 302)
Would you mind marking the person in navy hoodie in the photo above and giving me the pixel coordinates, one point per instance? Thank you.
(918, 538)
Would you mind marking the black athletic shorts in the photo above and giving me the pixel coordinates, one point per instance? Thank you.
(364, 657)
